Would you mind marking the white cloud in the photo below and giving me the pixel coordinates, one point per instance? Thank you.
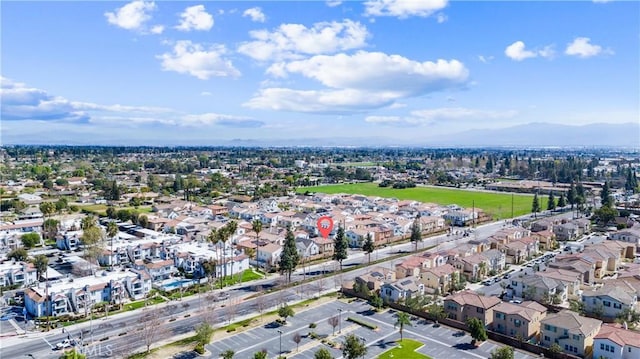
(195, 60)
(195, 18)
(157, 29)
(132, 16)
(377, 71)
(403, 8)
(333, 3)
(22, 103)
(291, 41)
(602, 1)
(363, 81)
(431, 116)
(256, 14)
(582, 47)
(547, 52)
(516, 51)
(206, 93)
(322, 101)
(485, 59)
(441, 18)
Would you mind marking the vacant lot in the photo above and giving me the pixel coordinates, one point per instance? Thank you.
(498, 204)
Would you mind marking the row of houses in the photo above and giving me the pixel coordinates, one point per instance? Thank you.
(531, 321)
(78, 296)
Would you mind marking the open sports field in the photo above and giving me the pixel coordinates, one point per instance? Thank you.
(497, 204)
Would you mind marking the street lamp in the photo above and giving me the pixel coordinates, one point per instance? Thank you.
(280, 332)
(340, 320)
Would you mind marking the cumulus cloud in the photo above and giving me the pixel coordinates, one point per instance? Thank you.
(358, 82)
(582, 47)
(195, 18)
(255, 13)
(292, 41)
(22, 103)
(319, 101)
(333, 3)
(403, 8)
(518, 52)
(132, 16)
(377, 71)
(198, 61)
(431, 116)
(441, 18)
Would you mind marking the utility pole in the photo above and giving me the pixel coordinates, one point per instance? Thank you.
(512, 206)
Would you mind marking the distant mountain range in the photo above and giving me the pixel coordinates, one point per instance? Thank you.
(547, 135)
(532, 135)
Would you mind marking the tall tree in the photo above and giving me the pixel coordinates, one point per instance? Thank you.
(47, 208)
(535, 205)
(571, 195)
(551, 202)
(368, 246)
(289, 258)
(477, 329)
(401, 321)
(340, 247)
(213, 238)
(256, 225)
(561, 201)
(50, 228)
(112, 232)
(41, 262)
(605, 196)
(88, 222)
(353, 347)
(416, 232)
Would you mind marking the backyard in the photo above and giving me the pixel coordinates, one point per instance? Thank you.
(497, 204)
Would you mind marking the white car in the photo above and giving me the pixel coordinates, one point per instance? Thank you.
(63, 344)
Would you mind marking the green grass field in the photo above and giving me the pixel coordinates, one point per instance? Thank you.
(497, 204)
(406, 349)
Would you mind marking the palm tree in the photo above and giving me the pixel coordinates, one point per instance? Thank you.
(41, 262)
(256, 225)
(88, 222)
(112, 231)
(403, 319)
(231, 228)
(213, 237)
(482, 269)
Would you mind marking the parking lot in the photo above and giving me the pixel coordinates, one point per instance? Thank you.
(440, 341)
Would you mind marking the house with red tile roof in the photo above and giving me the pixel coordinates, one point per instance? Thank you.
(616, 342)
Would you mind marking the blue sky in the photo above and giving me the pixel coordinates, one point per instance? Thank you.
(145, 72)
